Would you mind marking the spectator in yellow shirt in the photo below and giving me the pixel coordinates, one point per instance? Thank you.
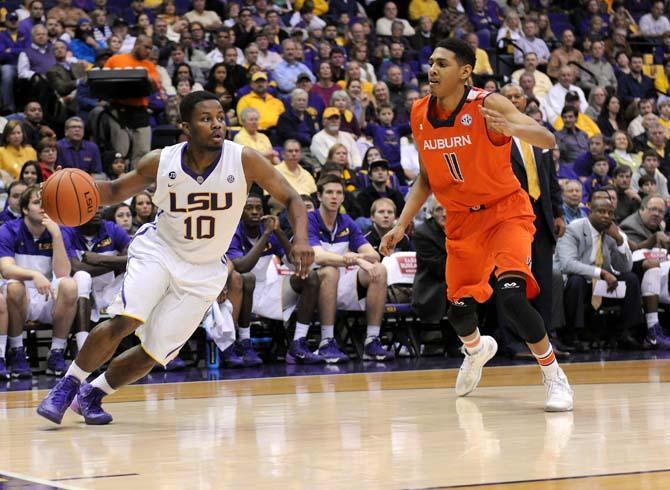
(482, 63)
(299, 178)
(269, 107)
(584, 122)
(249, 135)
(320, 6)
(661, 81)
(13, 152)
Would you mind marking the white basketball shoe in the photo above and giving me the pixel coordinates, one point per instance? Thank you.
(471, 369)
(559, 393)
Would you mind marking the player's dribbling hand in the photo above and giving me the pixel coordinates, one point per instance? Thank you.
(42, 284)
(391, 239)
(302, 257)
(496, 121)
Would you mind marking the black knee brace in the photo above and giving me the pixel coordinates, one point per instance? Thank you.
(518, 311)
(463, 316)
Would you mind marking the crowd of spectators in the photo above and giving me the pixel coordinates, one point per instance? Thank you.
(324, 90)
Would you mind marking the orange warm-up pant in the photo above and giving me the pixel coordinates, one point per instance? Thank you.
(497, 238)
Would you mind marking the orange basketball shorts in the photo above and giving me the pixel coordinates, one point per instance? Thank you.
(496, 238)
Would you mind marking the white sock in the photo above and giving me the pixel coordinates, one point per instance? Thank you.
(548, 363)
(57, 343)
(373, 331)
(244, 333)
(81, 338)
(473, 346)
(3, 343)
(15, 342)
(301, 330)
(77, 372)
(327, 332)
(652, 319)
(101, 383)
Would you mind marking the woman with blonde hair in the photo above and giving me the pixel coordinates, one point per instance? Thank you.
(14, 152)
(341, 100)
(339, 154)
(251, 137)
(354, 73)
(597, 98)
(623, 151)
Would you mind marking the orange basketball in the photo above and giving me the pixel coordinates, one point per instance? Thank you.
(70, 197)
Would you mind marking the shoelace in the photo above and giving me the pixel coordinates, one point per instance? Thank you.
(60, 395)
(95, 402)
(557, 384)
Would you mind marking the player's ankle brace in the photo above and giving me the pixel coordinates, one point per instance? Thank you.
(517, 310)
(463, 316)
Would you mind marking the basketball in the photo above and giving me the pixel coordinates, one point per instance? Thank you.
(70, 197)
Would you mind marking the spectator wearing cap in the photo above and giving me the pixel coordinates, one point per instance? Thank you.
(76, 152)
(12, 42)
(84, 44)
(383, 25)
(378, 172)
(584, 122)
(297, 122)
(118, 167)
(331, 134)
(269, 107)
(286, 73)
(120, 29)
(209, 19)
(555, 100)
(251, 137)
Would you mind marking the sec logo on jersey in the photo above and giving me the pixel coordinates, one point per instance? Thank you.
(466, 120)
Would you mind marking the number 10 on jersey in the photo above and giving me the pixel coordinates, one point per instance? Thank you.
(452, 165)
(202, 228)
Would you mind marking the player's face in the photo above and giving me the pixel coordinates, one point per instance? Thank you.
(445, 74)
(384, 216)
(332, 197)
(253, 212)
(14, 196)
(207, 125)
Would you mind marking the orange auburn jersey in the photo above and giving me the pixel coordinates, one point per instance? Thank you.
(467, 166)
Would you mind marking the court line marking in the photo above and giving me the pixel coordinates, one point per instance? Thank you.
(41, 481)
(94, 477)
(540, 480)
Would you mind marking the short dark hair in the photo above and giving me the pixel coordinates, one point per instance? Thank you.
(188, 103)
(649, 154)
(328, 179)
(645, 179)
(464, 53)
(601, 159)
(13, 184)
(622, 169)
(26, 196)
(569, 109)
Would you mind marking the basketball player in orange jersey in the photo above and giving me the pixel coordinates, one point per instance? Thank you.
(464, 136)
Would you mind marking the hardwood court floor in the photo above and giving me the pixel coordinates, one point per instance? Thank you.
(398, 430)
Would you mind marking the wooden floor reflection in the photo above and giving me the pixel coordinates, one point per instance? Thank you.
(399, 430)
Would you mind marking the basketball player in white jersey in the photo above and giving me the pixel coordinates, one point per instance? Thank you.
(176, 264)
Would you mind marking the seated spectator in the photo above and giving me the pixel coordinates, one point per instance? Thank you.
(542, 81)
(386, 137)
(143, 210)
(664, 113)
(584, 122)
(350, 273)
(594, 248)
(645, 106)
(643, 227)
(84, 45)
(63, 78)
(654, 24)
(662, 80)
(355, 73)
(397, 59)
(561, 56)
(331, 134)
(325, 86)
(31, 173)
(636, 85)
(251, 137)
(597, 98)
(217, 80)
(628, 200)
(603, 73)
(530, 43)
(341, 101)
(555, 100)
(12, 43)
(622, 153)
(383, 213)
(298, 178)
(257, 241)
(35, 262)
(12, 209)
(267, 58)
(570, 140)
(15, 151)
(182, 71)
(584, 162)
(76, 152)
(209, 19)
(656, 138)
(485, 18)
(397, 88)
(510, 30)
(121, 215)
(611, 118)
(34, 126)
(379, 175)
(383, 25)
(269, 108)
(36, 58)
(98, 256)
(350, 205)
(598, 177)
(117, 168)
(297, 122)
(573, 205)
(649, 167)
(286, 73)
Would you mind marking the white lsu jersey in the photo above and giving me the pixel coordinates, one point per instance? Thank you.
(198, 214)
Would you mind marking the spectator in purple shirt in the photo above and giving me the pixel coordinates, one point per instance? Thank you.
(76, 152)
(386, 137)
(36, 9)
(12, 42)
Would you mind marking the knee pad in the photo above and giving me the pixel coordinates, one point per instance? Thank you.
(463, 316)
(84, 284)
(651, 282)
(517, 310)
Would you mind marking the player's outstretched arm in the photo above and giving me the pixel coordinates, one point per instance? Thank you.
(258, 169)
(126, 186)
(502, 117)
(418, 195)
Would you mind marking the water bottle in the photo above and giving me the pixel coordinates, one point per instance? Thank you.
(212, 352)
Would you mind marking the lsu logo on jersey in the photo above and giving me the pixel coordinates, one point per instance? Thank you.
(201, 201)
(344, 232)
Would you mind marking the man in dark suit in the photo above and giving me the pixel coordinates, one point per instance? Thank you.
(537, 174)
